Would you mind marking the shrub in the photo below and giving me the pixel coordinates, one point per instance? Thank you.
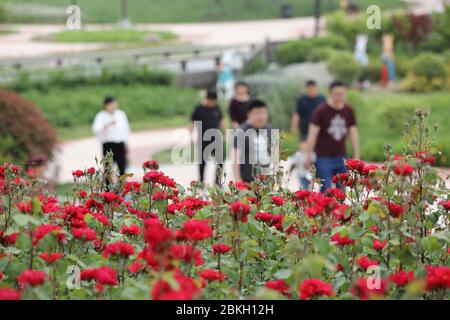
(256, 65)
(344, 67)
(429, 65)
(428, 72)
(435, 43)
(314, 49)
(23, 129)
(293, 52)
(79, 76)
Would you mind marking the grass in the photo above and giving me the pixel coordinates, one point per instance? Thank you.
(110, 36)
(72, 111)
(153, 11)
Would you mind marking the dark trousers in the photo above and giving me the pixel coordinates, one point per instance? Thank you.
(119, 157)
(217, 156)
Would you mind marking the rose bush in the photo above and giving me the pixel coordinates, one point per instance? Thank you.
(384, 234)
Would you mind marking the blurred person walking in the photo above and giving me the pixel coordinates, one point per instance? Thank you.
(113, 131)
(331, 124)
(252, 145)
(306, 105)
(206, 118)
(239, 104)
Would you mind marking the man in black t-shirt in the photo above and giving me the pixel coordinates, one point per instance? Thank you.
(207, 119)
(252, 147)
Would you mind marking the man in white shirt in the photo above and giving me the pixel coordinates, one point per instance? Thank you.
(112, 130)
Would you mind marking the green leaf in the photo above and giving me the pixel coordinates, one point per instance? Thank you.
(283, 273)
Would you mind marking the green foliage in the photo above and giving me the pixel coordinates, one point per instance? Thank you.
(115, 35)
(151, 11)
(344, 67)
(3, 16)
(78, 76)
(256, 65)
(429, 65)
(435, 42)
(309, 49)
(428, 72)
(69, 108)
(24, 132)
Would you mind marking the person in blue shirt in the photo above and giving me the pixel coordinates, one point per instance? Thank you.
(306, 105)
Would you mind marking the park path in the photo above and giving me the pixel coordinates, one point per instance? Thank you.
(81, 153)
(22, 43)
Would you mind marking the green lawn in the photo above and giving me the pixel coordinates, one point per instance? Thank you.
(381, 118)
(104, 11)
(111, 36)
(72, 111)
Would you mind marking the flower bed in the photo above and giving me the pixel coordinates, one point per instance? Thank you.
(384, 234)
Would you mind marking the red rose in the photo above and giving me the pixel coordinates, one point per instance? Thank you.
(342, 241)
(151, 165)
(401, 278)
(131, 230)
(90, 171)
(364, 263)
(9, 294)
(378, 245)
(197, 230)
(156, 234)
(102, 275)
(211, 275)
(365, 289)
(31, 277)
(118, 248)
(45, 229)
(186, 289)
(109, 197)
(240, 211)
(277, 200)
(221, 248)
(82, 194)
(85, 234)
(280, 286)
(315, 287)
(355, 165)
(51, 257)
(437, 277)
(394, 209)
(264, 216)
(403, 169)
(445, 204)
(77, 173)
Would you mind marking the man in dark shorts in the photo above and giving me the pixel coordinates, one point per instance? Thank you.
(331, 124)
(306, 105)
(252, 153)
(206, 118)
(239, 104)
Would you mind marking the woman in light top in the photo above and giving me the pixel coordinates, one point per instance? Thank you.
(112, 130)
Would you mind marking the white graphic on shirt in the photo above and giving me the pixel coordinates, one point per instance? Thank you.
(337, 128)
(261, 150)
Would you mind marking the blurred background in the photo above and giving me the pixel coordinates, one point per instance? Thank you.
(155, 56)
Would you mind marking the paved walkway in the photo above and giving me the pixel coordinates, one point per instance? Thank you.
(22, 43)
(81, 153)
